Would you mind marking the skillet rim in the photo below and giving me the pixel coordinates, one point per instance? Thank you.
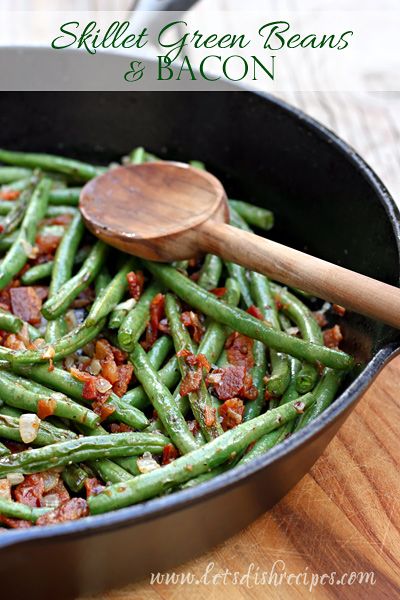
(158, 507)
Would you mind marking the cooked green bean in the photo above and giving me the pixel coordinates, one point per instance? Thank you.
(324, 393)
(9, 322)
(68, 196)
(210, 272)
(4, 450)
(19, 251)
(169, 376)
(17, 391)
(14, 217)
(109, 471)
(11, 174)
(81, 449)
(197, 462)
(17, 510)
(245, 323)
(74, 477)
(135, 321)
(162, 400)
(68, 166)
(112, 295)
(58, 304)
(254, 215)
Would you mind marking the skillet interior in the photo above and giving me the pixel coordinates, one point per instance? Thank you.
(325, 199)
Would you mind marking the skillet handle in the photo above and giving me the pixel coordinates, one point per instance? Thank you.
(160, 5)
(336, 284)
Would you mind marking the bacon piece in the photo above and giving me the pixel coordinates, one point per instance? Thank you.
(73, 509)
(10, 194)
(47, 244)
(26, 304)
(320, 318)
(255, 312)
(332, 337)
(125, 373)
(42, 291)
(31, 490)
(135, 284)
(339, 310)
(15, 523)
(46, 407)
(169, 454)
(157, 315)
(231, 412)
(191, 382)
(209, 416)
(239, 350)
(219, 292)
(85, 298)
(93, 486)
(120, 428)
(191, 320)
(90, 392)
(63, 219)
(61, 491)
(231, 382)
(193, 378)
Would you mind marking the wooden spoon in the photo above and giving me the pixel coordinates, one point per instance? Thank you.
(167, 211)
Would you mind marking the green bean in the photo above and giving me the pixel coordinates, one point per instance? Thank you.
(11, 174)
(200, 401)
(324, 393)
(280, 372)
(210, 272)
(205, 477)
(135, 321)
(197, 164)
(169, 376)
(112, 295)
(129, 464)
(82, 449)
(4, 450)
(16, 214)
(197, 462)
(44, 270)
(47, 433)
(240, 274)
(253, 407)
(9, 322)
(254, 215)
(57, 211)
(58, 304)
(62, 271)
(63, 382)
(17, 391)
(273, 438)
(68, 344)
(18, 253)
(49, 162)
(137, 156)
(109, 471)
(18, 510)
(245, 323)
(69, 196)
(309, 329)
(74, 477)
(162, 400)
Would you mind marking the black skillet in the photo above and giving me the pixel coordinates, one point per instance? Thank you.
(327, 201)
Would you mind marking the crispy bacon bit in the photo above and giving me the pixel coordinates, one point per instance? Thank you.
(125, 373)
(191, 382)
(333, 337)
(255, 312)
(135, 284)
(231, 382)
(90, 392)
(61, 491)
(42, 291)
(278, 302)
(46, 407)
(103, 408)
(31, 490)
(14, 523)
(157, 314)
(13, 342)
(239, 350)
(26, 304)
(339, 310)
(193, 378)
(73, 509)
(10, 194)
(93, 486)
(219, 292)
(192, 321)
(231, 412)
(320, 318)
(120, 428)
(63, 219)
(169, 454)
(209, 416)
(85, 298)
(47, 244)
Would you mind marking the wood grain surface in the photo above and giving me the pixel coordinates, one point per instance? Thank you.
(343, 516)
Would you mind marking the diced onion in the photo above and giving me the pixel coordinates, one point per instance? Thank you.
(50, 480)
(89, 349)
(102, 385)
(147, 463)
(126, 305)
(28, 427)
(5, 489)
(50, 501)
(95, 367)
(292, 330)
(15, 478)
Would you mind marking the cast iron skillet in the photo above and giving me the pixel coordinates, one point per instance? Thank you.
(326, 201)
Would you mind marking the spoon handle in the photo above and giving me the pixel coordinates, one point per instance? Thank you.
(336, 284)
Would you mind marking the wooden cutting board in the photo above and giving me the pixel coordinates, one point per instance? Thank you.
(343, 516)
